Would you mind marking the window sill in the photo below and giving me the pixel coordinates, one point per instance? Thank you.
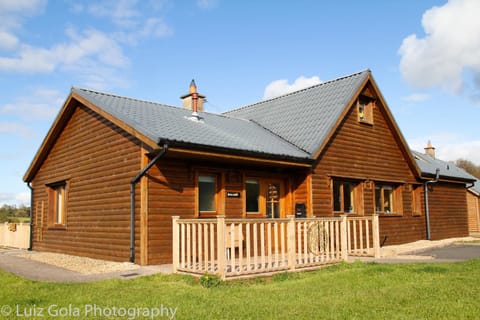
(366, 122)
(207, 215)
(339, 213)
(255, 215)
(383, 214)
(57, 227)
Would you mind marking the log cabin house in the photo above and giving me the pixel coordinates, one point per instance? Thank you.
(113, 171)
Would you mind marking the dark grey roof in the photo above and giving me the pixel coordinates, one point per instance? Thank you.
(429, 165)
(305, 117)
(476, 187)
(160, 122)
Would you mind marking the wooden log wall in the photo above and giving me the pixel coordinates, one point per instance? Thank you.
(368, 152)
(448, 211)
(473, 203)
(98, 160)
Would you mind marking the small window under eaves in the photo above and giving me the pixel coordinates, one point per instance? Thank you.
(365, 107)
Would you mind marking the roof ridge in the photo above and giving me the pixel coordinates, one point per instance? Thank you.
(122, 96)
(299, 91)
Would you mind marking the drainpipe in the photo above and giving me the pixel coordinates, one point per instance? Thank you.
(132, 199)
(30, 243)
(427, 211)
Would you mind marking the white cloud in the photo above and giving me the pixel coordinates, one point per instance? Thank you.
(121, 12)
(207, 4)
(15, 198)
(92, 44)
(22, 6)
(12, 12)
(449, 49)
(131, 22)
(417, 97)
(41, 104)
(7, 40)
(156, 27)
(280, 87)
(17, 129)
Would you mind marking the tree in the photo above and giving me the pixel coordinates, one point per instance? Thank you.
(468, 166)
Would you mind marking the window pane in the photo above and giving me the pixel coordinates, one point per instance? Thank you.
(387, 199)
(337, 196)
(378, 199)
(252, 188)
(59, 204)
(348, 197)
(206, 193)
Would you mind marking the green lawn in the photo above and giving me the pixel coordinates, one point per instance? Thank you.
(346, 291)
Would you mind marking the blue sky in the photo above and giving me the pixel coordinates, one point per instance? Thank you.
(424, 55)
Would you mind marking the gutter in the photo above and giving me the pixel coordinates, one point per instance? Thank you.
(30, 241)
(427, 211)
(132, 198)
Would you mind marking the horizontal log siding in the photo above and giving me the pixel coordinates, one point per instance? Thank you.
(98, 160)
(448, 211)
(360, 150)
(473, 203)
(171, 189)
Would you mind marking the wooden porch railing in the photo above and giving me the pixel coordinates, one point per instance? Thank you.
(240, 247)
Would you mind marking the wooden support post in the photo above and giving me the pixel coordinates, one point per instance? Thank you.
(291, 242)
(175, 243)
(343, 237)
(376, 236)
(221, 246)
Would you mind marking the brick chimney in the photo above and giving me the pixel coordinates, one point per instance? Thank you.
(430, 150)
(193, 100)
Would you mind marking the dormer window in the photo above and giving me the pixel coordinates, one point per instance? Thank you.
(365, 109)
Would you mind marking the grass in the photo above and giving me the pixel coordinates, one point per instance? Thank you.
(345, 291)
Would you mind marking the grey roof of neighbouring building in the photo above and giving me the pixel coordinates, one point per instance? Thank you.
(429, 165)
(160, 122)
(476, 187)
(305, 117)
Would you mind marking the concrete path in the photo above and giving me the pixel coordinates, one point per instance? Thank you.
(446, 250)
(40, 271)
(449, 250)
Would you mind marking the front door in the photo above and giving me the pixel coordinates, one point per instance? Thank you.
(274, 202)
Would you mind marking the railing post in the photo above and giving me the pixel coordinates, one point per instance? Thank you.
(343, 237)
(291, 242)
(175, 243)
(376, 236)
(221, 250)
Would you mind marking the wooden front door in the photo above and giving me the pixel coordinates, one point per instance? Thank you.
(274, 199)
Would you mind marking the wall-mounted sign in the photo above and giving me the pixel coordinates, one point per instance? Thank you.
(233, 194)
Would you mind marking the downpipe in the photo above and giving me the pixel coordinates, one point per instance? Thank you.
(30, 241)
(132, 198)
(427, 211)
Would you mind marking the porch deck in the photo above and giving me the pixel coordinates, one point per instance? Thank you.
(234, 248)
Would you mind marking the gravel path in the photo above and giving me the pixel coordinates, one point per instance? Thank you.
(81, 265)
